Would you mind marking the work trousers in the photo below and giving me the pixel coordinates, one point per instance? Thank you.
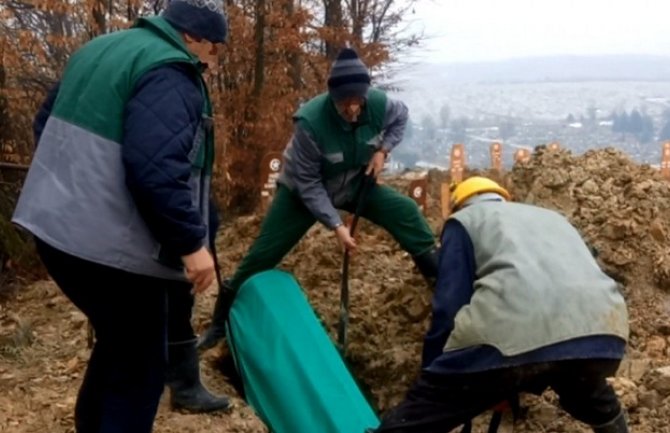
(439, 403)
(126, 371)
(288, 219)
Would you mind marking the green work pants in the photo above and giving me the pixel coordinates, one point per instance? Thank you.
(288, 220)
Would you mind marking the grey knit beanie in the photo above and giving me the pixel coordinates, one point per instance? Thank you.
(203, 19)
(348, 76)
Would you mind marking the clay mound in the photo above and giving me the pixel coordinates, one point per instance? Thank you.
(621, 208)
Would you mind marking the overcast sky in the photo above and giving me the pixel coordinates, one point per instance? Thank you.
(480, 30)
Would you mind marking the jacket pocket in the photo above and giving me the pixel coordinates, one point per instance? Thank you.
(334, 158)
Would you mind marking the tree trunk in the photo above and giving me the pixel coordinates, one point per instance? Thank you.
(99, 19)
(294, 54)
(259, 74)
(358, 11)
(333, 20)
(132, 10)
(5, 130)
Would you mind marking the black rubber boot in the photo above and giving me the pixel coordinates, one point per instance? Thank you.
(183, 379)
(217, 329)
(617, 425)
(428, 265)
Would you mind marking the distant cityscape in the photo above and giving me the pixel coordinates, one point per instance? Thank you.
(427, 147)
(630, 115)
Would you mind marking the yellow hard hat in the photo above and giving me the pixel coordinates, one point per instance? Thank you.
(473, 186)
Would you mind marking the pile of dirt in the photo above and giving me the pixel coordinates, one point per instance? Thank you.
(621, 208)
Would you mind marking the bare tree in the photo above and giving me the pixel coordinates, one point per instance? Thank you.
(335, 22)
(259, 75)
(294, 56)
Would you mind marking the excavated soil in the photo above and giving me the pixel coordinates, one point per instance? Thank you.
(621, 208)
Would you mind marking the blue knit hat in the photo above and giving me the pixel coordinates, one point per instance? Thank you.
(203, 19)
(348, 76)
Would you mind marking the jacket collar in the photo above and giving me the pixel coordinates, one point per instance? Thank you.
(163, 29)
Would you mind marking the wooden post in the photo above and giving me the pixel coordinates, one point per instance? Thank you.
(271, 165)
(521, 156)
(457, 163)
(418, 192)
(665, 160)
(445, 200)
(496, 156)
(456, 169)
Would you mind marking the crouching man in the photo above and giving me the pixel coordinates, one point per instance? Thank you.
(520, 306)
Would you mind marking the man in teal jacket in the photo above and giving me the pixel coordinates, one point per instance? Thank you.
(117, 199)
(339, 137)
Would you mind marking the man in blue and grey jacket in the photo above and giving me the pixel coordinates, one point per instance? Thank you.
(520, 305)
(117, 199)
(339, 137)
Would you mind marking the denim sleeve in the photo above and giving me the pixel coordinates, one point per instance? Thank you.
(454, 288)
